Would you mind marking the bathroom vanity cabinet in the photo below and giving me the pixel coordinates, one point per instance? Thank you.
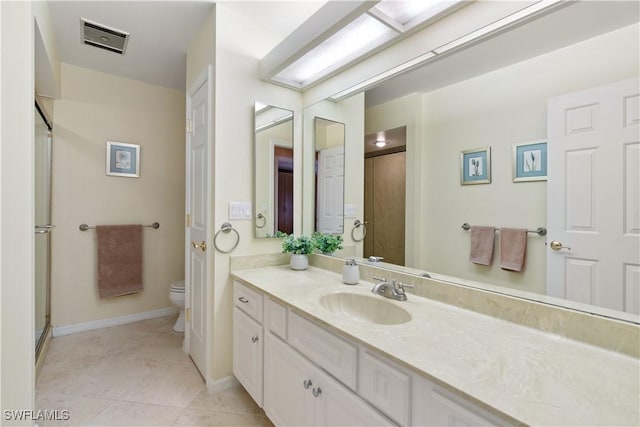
(303, 373)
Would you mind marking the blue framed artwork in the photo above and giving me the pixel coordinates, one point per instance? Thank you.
(475, 166)
(530, 161)
(123, 159)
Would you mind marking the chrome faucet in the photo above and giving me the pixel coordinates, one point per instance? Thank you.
(393, 290)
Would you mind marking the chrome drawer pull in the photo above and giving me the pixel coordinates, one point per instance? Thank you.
(316, 391)
(306, 384)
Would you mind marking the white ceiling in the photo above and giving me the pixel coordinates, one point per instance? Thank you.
(161, 32)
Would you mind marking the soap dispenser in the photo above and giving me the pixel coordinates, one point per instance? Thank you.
(351, 272)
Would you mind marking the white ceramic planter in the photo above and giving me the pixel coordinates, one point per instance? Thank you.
(299, 262)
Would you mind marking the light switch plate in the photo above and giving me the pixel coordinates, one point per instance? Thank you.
(239, 210)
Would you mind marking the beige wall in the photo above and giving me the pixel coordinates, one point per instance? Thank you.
(94, 108)
(499, 109)
(16, 208)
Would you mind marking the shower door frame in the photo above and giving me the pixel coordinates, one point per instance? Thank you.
(39, 344)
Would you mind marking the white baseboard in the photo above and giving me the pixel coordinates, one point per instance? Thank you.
(222, 384)
(113, 321)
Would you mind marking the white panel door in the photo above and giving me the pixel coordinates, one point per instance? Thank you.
(197, 210)
(593, 196)
(330, 210)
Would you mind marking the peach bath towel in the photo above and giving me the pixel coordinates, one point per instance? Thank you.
(119, 259)
(513, 246)
(481, 244)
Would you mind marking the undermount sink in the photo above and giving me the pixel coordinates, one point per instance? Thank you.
(365, 308)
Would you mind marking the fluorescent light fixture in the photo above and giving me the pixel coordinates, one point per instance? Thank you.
(363, 34)
(404, 12)
(499, 24)
(366, 84)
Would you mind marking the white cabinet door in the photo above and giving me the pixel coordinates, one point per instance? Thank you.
(336, 405)
(297, 393)
(247, 353)
(286, 400)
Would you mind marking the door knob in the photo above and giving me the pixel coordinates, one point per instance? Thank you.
(556, 246)
(202, 246)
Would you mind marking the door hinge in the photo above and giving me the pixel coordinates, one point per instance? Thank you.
(187, 314)
(189, 126)
(188, 220)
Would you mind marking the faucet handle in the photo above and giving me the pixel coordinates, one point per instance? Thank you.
(380, 279)
(400, 286)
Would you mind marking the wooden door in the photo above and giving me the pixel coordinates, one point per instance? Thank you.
(593, 196)
(384, 202)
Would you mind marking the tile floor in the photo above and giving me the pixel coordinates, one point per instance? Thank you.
(135, 375)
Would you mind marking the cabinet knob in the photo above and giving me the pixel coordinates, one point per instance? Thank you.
(254, 339)
(316, 391)
(306, 384)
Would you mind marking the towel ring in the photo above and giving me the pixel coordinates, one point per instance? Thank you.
(358, 224)
(226, 228)
(263, 218)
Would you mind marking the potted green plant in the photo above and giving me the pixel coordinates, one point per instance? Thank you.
(299, 248)
(327, 243)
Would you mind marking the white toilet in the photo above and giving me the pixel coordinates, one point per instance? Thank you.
(176, 295)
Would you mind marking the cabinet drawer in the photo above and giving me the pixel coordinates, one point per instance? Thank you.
(248, 300)
(333, 354)
(276, 318)
(386, 387)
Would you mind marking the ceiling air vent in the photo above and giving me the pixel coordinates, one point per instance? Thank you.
(104, 37)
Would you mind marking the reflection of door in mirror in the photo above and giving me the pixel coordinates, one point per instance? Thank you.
(274, 166)
(329, 146)
(284, 189)
(384, 195)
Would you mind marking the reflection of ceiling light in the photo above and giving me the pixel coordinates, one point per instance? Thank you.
(380, 144)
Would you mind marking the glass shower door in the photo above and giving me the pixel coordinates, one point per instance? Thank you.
(43, 228)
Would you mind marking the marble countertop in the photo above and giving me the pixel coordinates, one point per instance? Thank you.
(530, 376)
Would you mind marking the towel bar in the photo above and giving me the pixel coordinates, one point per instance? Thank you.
(85, 227)
(540, 231)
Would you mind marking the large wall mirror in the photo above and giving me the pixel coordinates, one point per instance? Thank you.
(468, 100)
(274, 168)
(329, 175)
